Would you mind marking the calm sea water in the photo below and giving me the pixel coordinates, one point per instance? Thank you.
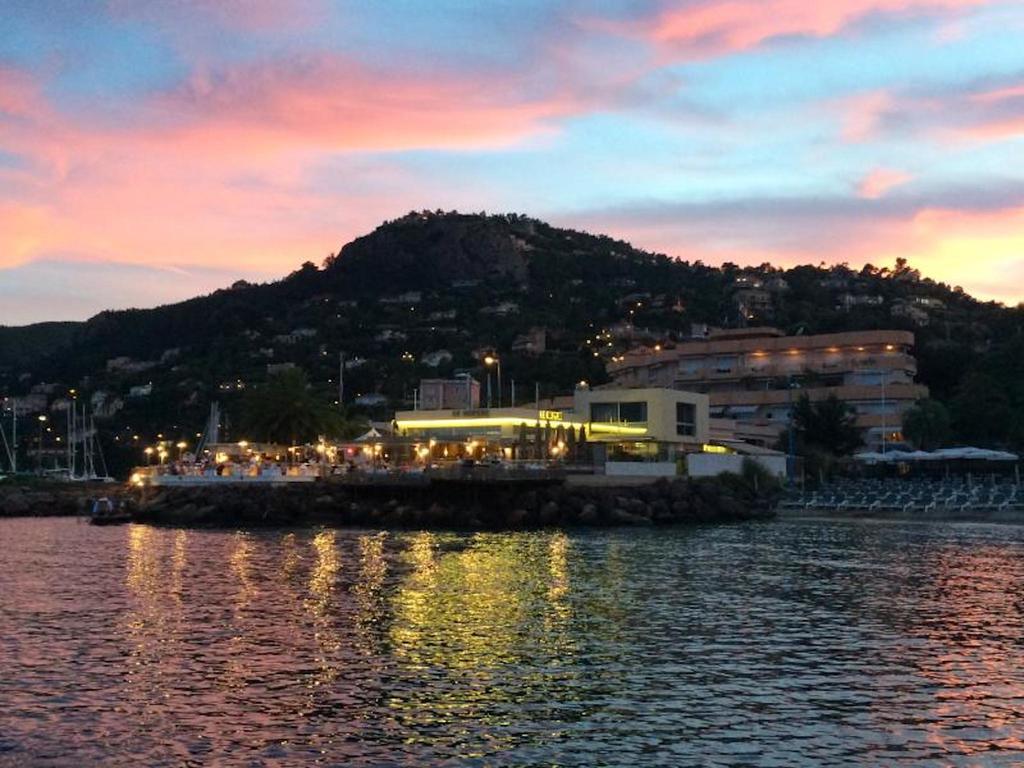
(781, 644)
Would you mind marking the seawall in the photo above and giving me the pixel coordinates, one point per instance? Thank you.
(51, 499)
(492, 506)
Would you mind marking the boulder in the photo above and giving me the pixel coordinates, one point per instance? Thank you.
(622, 517)
(549, 513)
(16, 504)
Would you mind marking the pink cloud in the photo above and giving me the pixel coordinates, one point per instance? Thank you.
(219, 170)
(879, 181)
(331, 102)
(860, 115)
(716, 27)
(18, 93)
(953, 116)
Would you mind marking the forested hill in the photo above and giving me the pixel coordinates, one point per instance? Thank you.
(420, 294)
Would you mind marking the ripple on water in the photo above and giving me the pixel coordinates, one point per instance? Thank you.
(782, 644)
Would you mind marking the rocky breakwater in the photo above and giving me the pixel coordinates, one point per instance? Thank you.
(51, 499)
(451, 505)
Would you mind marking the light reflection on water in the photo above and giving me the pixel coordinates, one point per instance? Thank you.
(793, 643)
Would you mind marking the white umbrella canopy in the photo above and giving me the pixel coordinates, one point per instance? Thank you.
(918, 456)
(971, 453)
(869, 456)
(898, 455)
(372, 434)
(942, 454)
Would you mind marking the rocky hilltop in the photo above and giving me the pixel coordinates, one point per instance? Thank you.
(425, 251)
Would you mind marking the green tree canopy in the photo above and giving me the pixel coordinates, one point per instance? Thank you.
(826, 426)
(285, 410)
(927, 425)
(983, 412)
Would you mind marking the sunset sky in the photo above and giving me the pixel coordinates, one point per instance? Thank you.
(151, 151)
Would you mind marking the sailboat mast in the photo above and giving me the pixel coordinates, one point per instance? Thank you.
(70, 417)
(74, 436)
(86, 421)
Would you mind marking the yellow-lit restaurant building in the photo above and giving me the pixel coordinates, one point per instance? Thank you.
(646, 431)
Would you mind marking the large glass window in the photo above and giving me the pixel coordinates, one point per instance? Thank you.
(616, 413)
(686, 419)
(635, 412)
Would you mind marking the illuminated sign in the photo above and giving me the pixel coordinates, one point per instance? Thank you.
(550, 415)
(708, 448)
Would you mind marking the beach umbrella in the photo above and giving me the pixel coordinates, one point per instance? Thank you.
(869, 457)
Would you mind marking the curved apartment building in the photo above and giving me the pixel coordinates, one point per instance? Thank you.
(752, 375)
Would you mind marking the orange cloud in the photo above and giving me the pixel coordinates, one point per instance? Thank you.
(879, 181)
(717, 27)
(980, 250)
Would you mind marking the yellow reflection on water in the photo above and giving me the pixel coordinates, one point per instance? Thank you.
(470, 608)
(291, 558)
(371, 600)
(240, 561)
(557, 617)
(322, 580)
(179, 560)
(153, 618)
(143, 576)
(324, 572)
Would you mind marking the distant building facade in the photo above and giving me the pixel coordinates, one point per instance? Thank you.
(753, 375)
(439, 394)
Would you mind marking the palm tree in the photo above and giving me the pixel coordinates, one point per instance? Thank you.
(285, 410)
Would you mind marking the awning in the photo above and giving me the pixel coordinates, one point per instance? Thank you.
(741, 410)
(747, 449)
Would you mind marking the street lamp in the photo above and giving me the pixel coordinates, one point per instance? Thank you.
(149, 454)
(39, 451)
(181, 449)
(495, 361)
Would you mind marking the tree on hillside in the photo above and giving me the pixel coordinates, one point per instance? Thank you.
(285, 410)
(982, 412)
(827, 426)
(927, 425)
